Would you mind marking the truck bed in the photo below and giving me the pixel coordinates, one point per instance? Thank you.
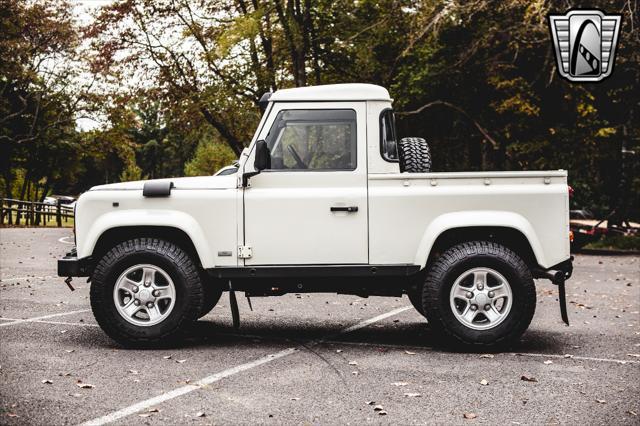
(408, 211)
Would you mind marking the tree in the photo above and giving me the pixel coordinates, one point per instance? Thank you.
(208, 159)
(37, 106)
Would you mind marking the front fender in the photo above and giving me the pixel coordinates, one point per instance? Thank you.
(480, 218)
(164, 218)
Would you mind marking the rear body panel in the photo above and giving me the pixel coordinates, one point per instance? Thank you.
(407, 212)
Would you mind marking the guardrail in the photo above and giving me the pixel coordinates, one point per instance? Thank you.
(31, 213)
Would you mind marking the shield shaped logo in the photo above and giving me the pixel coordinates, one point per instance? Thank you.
(585, 43)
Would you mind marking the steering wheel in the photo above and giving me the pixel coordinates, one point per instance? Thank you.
(297, 158)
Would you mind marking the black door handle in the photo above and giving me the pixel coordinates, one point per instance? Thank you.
(351, 209)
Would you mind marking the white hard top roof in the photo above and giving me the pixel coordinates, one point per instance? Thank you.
(333, 92)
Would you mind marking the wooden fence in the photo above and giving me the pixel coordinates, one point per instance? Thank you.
(31, 213)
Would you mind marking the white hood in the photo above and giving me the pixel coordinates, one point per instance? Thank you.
(199, 182)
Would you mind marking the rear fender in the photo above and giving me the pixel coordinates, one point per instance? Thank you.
(482, 218)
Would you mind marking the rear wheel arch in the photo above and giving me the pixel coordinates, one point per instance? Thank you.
(506, 236)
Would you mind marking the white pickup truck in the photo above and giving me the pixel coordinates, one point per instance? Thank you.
(325, 199)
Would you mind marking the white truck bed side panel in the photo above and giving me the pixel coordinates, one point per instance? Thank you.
(407, 212)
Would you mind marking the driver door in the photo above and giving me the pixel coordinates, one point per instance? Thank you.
(310, 206)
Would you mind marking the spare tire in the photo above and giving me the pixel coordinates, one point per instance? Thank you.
(414, 155)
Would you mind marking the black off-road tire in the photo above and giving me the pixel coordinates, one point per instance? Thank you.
(453, 263)
(212, 294)
(414, 155)
(165, 255)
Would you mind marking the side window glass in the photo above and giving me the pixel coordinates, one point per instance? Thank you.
(313, 140)
(388, 140)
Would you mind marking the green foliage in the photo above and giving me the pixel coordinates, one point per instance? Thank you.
(617, 242)
(208, 159)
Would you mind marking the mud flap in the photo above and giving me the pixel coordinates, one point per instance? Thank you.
(562, 298)
(235, 312)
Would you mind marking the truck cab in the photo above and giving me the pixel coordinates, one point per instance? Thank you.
(325, 199)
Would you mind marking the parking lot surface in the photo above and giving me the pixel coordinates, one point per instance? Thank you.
(313, 359)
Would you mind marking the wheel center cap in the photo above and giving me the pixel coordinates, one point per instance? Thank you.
(145, 295)
(481, 299)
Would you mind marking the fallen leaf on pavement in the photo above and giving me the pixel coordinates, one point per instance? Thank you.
(167, 357)
(200, 414)
(85, 386)
(568, 356)
(483, 382)
(338, 350)
(47, 382)
(382, 413)
(295, 399)
(378, 408)
(370, 402)
(69, 350)
(547, 362)
(470, 416)
(180, 361)
(601, 401)
(153, 410)
(528, 379)
(353, 363)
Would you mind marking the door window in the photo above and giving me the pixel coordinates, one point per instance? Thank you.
(313, 140)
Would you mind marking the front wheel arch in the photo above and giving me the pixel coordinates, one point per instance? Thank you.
(114, 236)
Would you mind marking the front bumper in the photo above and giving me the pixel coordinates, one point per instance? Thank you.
(71, 266)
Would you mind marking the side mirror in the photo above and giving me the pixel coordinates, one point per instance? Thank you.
(263, 156)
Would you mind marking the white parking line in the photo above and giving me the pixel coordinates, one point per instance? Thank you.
(64, 240)
(21, 321)
(417, 348)
(132, 409)
(582, 358)
(79, 324)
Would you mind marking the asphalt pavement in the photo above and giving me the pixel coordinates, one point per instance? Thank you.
(313, 359)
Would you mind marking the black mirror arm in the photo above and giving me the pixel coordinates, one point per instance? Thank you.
(246, 176)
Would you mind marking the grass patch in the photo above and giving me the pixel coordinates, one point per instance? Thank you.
(617, 242)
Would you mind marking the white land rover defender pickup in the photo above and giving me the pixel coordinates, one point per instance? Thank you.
(325, 199)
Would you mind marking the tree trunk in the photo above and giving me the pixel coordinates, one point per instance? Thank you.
(233, 142)
(24, 184)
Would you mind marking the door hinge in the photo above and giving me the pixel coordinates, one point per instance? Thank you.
(245, 252)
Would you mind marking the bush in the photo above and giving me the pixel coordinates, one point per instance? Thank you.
(617, 242)
(209, 158)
